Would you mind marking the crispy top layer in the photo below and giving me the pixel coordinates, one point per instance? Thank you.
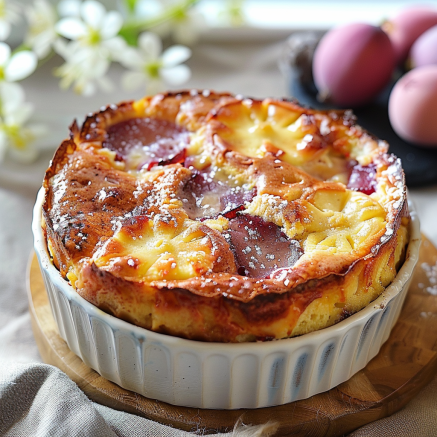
(220, 195)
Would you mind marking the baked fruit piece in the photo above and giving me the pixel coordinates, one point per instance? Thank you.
(218, 218)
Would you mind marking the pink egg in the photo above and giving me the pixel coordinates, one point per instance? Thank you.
(424, 50)
(412, 106)
(352, 64)
(404, 28)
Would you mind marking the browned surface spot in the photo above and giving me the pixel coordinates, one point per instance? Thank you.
(86, 196)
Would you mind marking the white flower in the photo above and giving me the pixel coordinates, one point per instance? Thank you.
(94, 45)
(84, 69)
(186, 23)
(41, 34)
(94, 28)
(15, 67)
(150, 66)
(15, 136)
(9, 14)
(187, 26)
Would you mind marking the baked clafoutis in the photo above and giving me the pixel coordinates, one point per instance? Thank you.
(219, 218)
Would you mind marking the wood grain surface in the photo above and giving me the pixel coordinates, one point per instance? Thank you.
(405, 364)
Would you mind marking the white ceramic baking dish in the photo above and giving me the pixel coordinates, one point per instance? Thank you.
(222, 375)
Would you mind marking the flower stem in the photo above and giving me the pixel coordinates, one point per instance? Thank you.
(130, 5)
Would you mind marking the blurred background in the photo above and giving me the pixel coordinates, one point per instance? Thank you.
(246, 47)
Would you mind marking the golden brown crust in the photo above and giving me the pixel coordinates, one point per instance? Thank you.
(160, 240)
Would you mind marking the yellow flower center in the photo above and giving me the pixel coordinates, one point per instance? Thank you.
(152, 69)
(16, 135)
(93, 37)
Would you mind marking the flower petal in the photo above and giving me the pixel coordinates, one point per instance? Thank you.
(41, 32)
(148, 8)
(98, 67)
(11, 97)
(71, 28)
(88, 89)
(60, 46)
(117, 48)
(21, 65)
(175, 75)
(13, 13)
(20, 116)
(93, 13)
(175, 55)
(84, 87)
(77, 53)
(42, 10)
(5, 30)
(69, 8)
(111, 24)
(132, 80)
(42, 43)
(188, 30)
(5, 53)
(131, 59)
(150, 45)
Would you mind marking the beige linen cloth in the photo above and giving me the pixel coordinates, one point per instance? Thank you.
(39, 400)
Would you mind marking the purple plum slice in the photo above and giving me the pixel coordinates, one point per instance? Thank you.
(260, 247)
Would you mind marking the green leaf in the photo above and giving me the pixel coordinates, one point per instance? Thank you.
(130, 36)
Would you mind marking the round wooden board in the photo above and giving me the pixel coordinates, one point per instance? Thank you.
(405, 364)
